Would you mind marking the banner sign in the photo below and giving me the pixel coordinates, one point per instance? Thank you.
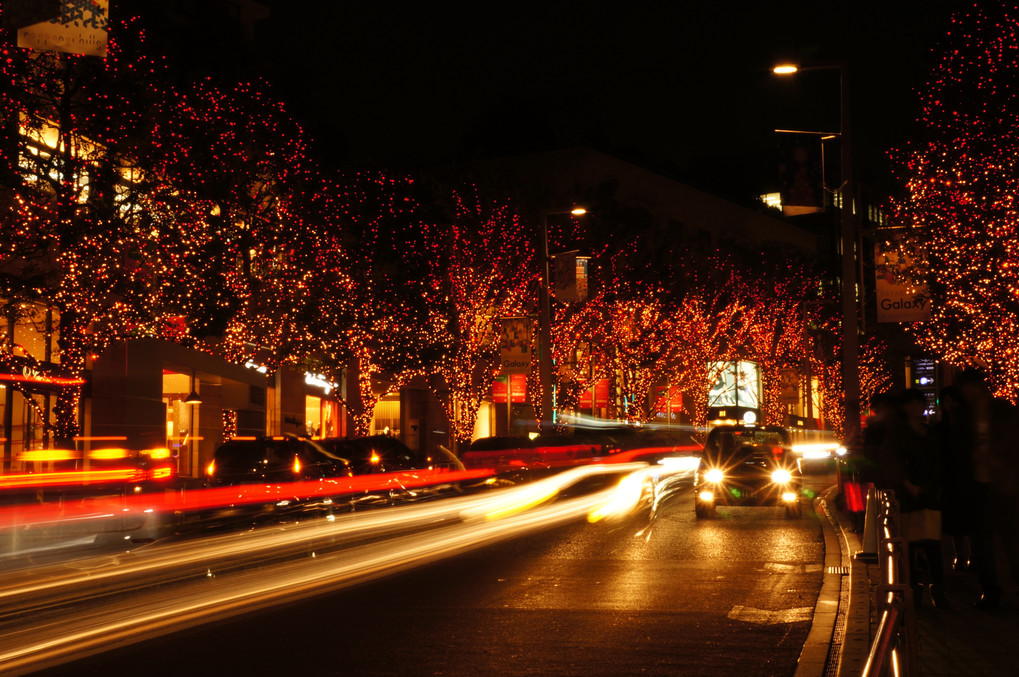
(897, 300)
(668, 402)
(518, 389)
(565, 277)
(790, 387)
(79, 28)
(515, 345)
(801, 173)
(601, 393)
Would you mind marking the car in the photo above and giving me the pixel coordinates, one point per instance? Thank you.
(273, 460)
(747, 465)
(817, 455)
(375, 454)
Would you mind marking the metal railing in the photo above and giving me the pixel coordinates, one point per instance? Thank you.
(893, 649)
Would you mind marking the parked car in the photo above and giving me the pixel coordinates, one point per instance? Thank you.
(747, 465)
(375, 454)
(273, 460)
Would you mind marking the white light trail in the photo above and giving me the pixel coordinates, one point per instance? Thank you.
(438, 529)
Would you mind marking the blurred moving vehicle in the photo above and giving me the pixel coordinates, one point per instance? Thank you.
(577, 446)
(817, 455)
(522, 453)
(272, 460)
(747, 465)
(375, 454)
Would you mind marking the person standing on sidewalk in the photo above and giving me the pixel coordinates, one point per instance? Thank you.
(953, 433)
(919, 496)
(996, 486)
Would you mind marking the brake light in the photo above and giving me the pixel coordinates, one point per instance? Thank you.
(777, 452)
(159, 453)
(163, 473)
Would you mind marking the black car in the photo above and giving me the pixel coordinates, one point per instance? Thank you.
(375, 454)
(273, 460)
(747, 465)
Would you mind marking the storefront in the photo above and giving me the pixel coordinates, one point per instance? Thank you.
(305, 404)
(153, 394)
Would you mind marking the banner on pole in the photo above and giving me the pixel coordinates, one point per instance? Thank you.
(898, 300)
(79, 27)
(515, 345)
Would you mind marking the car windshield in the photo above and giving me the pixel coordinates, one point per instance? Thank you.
(728, 441)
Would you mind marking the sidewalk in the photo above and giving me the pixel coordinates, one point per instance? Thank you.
(958, 641)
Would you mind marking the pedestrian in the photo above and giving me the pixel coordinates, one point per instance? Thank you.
(953, 434)
(995, 483)
(884, 409)
(915, 458)
(865, 466)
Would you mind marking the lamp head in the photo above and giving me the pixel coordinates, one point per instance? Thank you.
(785, 69)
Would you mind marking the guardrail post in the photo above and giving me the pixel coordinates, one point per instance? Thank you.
(870, 528)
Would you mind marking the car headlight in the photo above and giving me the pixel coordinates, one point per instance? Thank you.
(781, 476)
(714, 475)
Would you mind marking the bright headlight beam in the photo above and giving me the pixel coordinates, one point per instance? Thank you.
(781, 476)
(714, 475)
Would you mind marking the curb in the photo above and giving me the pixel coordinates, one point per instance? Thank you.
(814, 657)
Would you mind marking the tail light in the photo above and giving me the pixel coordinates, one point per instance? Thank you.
(163, 473)
(777, 453)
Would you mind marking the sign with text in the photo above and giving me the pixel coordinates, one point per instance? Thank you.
(515, 346)
(897, 299)
(80, 28)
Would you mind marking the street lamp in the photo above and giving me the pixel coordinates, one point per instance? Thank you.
(545, 321)
(850, 317)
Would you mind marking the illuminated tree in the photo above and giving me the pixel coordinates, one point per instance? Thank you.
(777, 295)
(959, 205)
(365, 305)
(70, 193)
(481, 269)
(134, 206)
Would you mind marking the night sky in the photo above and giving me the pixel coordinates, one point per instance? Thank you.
(680, 87)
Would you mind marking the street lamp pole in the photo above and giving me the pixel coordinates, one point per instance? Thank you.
(850, 316)
(545, 322)
(545, 330)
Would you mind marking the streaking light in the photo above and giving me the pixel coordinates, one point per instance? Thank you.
(624, 500)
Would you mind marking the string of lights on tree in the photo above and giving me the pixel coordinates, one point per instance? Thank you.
(482, 270)
(959, 207)
(138, 205)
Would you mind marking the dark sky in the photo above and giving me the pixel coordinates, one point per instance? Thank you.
(677, 86)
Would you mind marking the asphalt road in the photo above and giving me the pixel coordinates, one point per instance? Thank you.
(731, 595)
